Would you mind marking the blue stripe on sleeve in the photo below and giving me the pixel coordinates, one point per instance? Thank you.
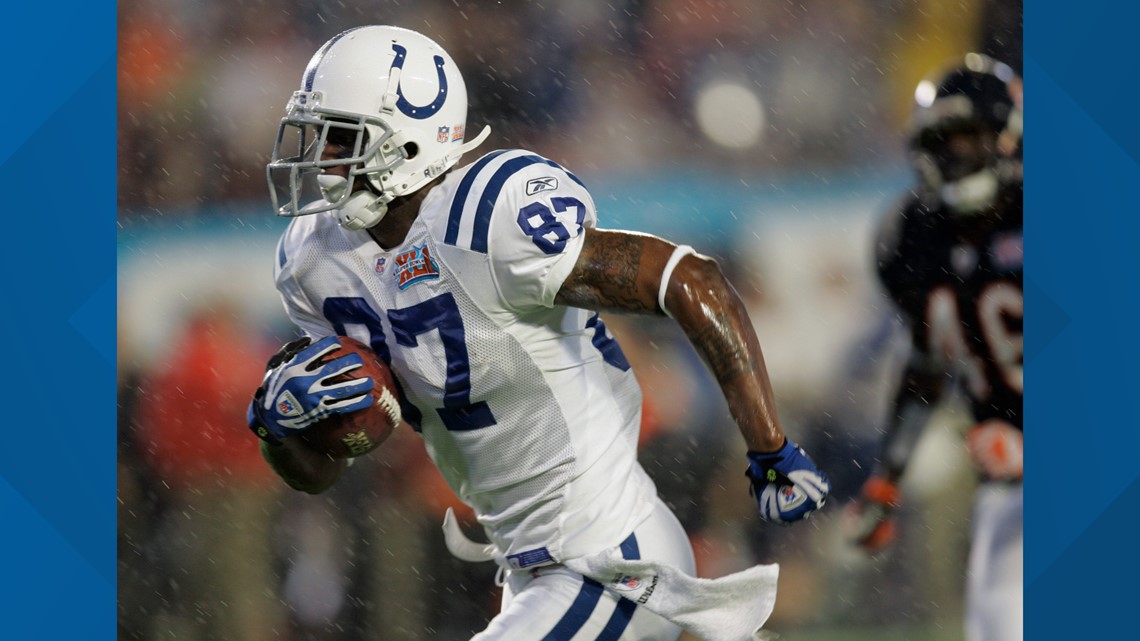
(455, 216)
(579, 612)
(486, 203)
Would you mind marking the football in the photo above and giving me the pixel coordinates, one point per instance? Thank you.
(357, 433)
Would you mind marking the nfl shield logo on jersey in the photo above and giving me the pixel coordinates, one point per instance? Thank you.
(414, 266)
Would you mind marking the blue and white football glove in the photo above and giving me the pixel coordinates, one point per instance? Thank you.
(787, 485)
(297, 390)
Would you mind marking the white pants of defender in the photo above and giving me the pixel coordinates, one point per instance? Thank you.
(994, 578)
(556, 604)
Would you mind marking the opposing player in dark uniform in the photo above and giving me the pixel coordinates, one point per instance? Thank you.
(950, 257)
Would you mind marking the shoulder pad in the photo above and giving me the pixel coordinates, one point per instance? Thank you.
(500, 176)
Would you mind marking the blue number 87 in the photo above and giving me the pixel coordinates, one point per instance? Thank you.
(435, 315)
(548, 233)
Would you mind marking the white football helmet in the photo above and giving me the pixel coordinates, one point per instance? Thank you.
(392, 96)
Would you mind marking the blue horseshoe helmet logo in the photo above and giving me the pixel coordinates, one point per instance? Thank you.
(408, 109)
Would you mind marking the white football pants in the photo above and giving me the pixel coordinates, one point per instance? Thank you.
(556, 604)
(994, 576)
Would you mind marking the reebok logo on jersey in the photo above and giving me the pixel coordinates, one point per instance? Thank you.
(546, 183)
(414, 266)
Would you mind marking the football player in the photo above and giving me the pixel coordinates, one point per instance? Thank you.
(480, 287)
(951, 259)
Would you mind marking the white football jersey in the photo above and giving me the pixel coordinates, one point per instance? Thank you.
(530, 410)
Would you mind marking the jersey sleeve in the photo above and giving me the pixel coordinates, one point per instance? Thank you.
(536, 232)
(297, 304)
(899, 259)
(902, 247)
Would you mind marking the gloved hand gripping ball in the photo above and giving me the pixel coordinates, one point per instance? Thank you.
(301, 387)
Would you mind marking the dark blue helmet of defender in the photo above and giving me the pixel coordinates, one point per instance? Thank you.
(966, 133)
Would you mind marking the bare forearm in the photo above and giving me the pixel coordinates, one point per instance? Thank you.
(302, 468)
(712, 315)
(622, 271)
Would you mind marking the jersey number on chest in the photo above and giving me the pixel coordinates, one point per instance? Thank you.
(438, 315)
(997, 304)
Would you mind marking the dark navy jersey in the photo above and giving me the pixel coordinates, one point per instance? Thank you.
(959, 281)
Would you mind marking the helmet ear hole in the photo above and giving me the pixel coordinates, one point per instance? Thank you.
(411, 150)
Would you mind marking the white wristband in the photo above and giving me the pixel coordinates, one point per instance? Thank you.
(680, 252)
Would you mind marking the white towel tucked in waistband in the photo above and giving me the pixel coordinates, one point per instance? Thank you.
(731, 608)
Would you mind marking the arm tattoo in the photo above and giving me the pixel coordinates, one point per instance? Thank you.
(608, 275)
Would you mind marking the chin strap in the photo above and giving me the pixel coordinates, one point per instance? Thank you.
(361, 210)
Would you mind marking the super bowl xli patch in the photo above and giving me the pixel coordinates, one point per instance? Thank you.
(413, 266)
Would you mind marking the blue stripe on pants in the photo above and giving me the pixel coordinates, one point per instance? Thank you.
(619, 620)
(629, 549)
(578, 613)
(587, 600)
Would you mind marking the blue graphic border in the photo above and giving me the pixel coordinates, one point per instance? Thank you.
(57, 468)
(57, 465)
(1083, 497)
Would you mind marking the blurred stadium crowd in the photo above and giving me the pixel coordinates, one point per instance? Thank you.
(710, 97)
